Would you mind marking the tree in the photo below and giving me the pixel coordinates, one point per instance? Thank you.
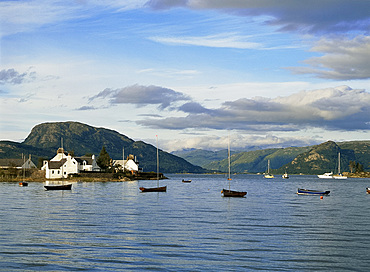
(352, 166)
(104, 160)
(359, 168)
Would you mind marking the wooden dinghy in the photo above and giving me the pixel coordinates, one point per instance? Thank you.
(154, 189)
(58, 187)
(311, 192)
(186, 181)
(230, 193)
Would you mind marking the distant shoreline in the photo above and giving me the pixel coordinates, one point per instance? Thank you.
(148, 176)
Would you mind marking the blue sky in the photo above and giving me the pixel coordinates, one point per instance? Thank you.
(268, 73)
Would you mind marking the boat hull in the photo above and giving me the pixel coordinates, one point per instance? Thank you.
(186, 181)
(155, 189)
(326, 176)
(339, 177)
(312, 192)
(230, 193)
(58, 187)
(269, 176)
(22, 184)
(368, 190)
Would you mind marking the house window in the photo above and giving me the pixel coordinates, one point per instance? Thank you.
(58, 172)
(52, 171)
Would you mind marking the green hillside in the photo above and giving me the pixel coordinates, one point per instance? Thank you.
(45, 139)
(324, 158)
(202, 157)
(308, 160)
(256, 161)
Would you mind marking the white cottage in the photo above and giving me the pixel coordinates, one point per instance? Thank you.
(60, 166)
(87, 163)
(130, 164)
(63, 165)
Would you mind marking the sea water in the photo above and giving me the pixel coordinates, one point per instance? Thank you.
(112, 226)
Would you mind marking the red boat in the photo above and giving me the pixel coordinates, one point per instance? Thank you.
(230, 193)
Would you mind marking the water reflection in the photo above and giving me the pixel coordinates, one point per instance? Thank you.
(100, 226)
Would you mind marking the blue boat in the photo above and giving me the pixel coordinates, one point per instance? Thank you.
(311, 192)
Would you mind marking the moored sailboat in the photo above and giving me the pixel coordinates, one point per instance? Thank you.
(23, 182)
(339, 176)
(268, 175)
(155, 189)
(228, 192)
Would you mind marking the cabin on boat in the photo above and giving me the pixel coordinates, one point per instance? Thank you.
(17, 163)
(63, 165)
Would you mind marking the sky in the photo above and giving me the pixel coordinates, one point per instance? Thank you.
(263, 73)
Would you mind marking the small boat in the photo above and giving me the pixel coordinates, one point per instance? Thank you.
(326, 176)
(154, 189)
(230, 193)
(23, 183)
(285, 175)
(188, 180)
(311, 192)
(58, 187)
(268, 175)
(368, 190)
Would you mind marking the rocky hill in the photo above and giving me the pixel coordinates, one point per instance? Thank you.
(80, 139)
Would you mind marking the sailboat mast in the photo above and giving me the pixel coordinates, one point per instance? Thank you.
(157, 162)
(24, 166)
(228, 157)
(339, 163)
(61, 140)
(123, 159)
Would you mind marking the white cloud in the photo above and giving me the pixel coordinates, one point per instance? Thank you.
(238, 142)
(224, 40)
(290, 15)
(333, 108)
(23, 16)
(141, 96)
(343, 59)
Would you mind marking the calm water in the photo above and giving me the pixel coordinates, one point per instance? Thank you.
(111, 226)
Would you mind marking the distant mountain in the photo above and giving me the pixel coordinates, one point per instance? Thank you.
(256, 161)
(80, 139)
(324, 158)
(308, 160)
(202, 157)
